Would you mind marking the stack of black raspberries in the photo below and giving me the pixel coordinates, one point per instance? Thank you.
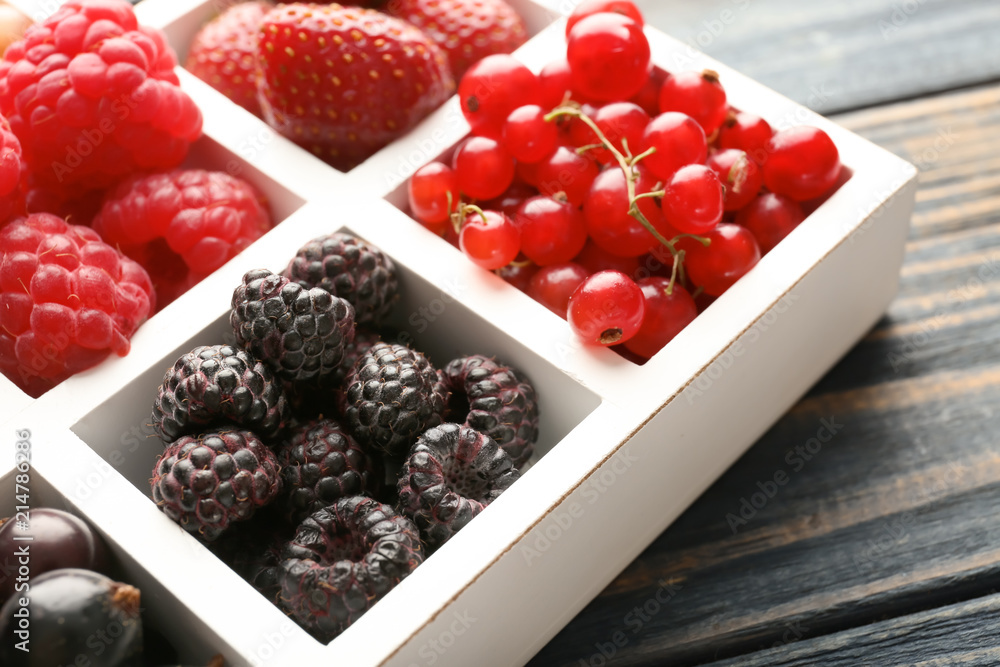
(283, 450)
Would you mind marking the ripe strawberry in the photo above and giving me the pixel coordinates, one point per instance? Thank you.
(343, 82)
(466, 30)
(222, 53)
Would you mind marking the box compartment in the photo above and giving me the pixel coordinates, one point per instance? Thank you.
(161, 609)
(624, 450)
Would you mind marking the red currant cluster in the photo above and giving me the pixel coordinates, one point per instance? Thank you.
(622, 197)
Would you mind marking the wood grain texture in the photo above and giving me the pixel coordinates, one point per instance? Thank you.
(896, 512)
(967, 633)
(836, 56)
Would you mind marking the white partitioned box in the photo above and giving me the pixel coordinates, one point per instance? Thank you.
(614, 436)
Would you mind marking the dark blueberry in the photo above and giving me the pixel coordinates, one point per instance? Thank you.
(59, 540)
(77, 617)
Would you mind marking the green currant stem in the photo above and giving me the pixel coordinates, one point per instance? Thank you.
(700, 239)
(463, 211)
(651, 195)
(589, 147)
(627, 165)
(456, 222)
(466, 209)
(623, 162)
(678, 262)
(645, 154)
(628, 151)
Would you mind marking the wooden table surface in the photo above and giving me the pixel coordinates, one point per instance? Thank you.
(884, 547)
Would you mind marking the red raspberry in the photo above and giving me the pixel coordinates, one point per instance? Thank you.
(222, 53)
(10, 173)
(76, 207)
(67, 299)
(182, 225)
(370, 4)
(466, 30)
(343, 81)
(93, 97)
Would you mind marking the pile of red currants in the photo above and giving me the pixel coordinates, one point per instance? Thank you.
(622, 197)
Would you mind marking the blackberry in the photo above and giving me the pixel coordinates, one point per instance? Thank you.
(301, 333)
(393, 395)
(252, 549)
(320, 463)
(496, 400)
(452, 473)
(315, 402)
(364, 338)
(219, 384)
(350, 268)
(209, 481)
(343, 559)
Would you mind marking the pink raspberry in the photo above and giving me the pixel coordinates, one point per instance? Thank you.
(93, 97)
(77, 208)
(67, 300)
(182, 225)
(11, 200)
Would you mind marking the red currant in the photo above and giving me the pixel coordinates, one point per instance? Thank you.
(492, 88)
(666, 314)
(518, 273)
(649, 97)
(770, 218)
(568, 172)
(693, 201)
(697, 94)
(608, 56)
(555, 82)
(483, 168)
(527, 173)
(606, 211)
(732, 253)
(511, 199)
(802, 163)
(703, 301)
(658, 262)
(623, 123)
(552, 231)
(553, 285)
(578, 133)
(428, 191)
(451, 235)
(588, 7)
(594, 258)
(527, 136)
(739, 174)
(490, 240)
(607, 308)
(678, 141)
(746, 132)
